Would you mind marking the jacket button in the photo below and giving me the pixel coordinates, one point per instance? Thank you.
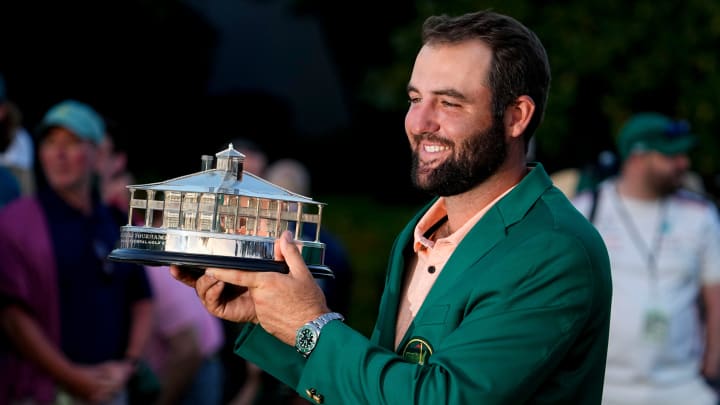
(312, 393)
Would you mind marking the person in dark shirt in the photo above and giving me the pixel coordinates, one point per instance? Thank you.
(75, 322)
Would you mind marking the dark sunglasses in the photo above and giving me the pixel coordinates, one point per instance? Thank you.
(676, 129)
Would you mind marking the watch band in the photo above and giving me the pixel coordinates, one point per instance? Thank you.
(323, 319)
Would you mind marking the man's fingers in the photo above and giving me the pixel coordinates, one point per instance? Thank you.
(292, 256)
(185, 275)
(237, 277)
(285, 249)
(206, 282)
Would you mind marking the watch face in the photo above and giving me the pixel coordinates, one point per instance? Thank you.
(306, 339)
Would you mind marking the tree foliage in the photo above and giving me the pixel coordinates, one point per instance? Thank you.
(609, 59)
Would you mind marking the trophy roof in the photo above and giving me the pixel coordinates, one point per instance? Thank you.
(217, 181)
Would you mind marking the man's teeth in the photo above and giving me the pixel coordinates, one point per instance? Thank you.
(435, 148)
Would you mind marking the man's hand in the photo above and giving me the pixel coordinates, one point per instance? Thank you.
(281, 303)
(92, 383)
(186, 275)
(227, 301)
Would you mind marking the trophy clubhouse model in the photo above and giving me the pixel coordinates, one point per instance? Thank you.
(219, 217)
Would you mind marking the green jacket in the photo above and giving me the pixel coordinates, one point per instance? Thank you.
(519, 314)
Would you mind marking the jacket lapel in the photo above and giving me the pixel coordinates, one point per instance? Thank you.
(490, 230)
(487, 233)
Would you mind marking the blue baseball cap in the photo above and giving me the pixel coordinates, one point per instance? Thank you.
(650, 131)
(78, 118)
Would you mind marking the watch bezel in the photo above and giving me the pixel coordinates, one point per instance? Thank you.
(314, 330)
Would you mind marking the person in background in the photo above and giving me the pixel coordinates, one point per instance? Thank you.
(183, 350)
(497, 292)
(572, 180)
(183, 347)
(664, 245)
(293, 175)
(113, 176)
(9, 184)
(74, 322)
(16, 151)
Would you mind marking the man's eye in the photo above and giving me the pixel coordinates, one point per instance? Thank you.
(449, 104)
(414, 100)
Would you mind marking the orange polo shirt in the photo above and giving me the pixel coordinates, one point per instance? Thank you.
(431, 253)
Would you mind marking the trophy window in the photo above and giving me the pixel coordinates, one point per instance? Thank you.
(171, 214)
(189, 211)
(247, 215)
(156, 205)
(227, 213)
(138, 206)
(297, 215)
(206, 212)
(268, 214)
(145, 207)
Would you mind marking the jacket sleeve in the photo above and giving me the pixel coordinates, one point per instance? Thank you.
(498, 343)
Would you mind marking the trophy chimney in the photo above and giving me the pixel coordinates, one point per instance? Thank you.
(207, 161)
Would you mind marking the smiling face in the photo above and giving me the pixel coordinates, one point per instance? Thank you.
(455, 142)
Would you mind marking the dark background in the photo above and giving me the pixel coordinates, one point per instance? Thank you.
(177, 80)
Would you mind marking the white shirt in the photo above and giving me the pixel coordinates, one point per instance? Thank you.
(21, 151)
(681, 234)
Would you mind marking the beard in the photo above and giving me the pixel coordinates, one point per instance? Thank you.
(477, 158)
(667, 184)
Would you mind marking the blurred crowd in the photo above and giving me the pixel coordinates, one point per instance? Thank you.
(78, 328)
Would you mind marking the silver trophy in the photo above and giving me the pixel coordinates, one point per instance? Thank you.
(219, 217)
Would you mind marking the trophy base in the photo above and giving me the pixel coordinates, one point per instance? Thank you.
(202, 261)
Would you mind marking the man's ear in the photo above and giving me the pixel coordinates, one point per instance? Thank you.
(518, 115)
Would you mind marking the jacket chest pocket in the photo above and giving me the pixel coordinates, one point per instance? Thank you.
(435, 315)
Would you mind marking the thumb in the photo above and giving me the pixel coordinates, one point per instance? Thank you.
(289, 252)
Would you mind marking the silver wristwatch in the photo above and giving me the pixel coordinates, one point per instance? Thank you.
(307, 335)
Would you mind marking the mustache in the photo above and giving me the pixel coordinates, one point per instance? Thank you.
(433, 137)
